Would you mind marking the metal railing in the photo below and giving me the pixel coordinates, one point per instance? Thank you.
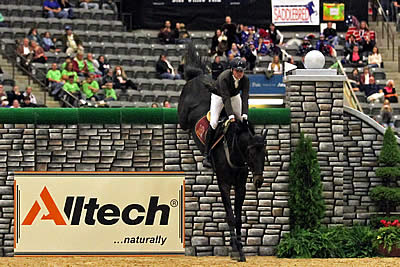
(390, 35)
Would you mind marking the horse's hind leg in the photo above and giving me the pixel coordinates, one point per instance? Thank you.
(240, 193)
(225, 195)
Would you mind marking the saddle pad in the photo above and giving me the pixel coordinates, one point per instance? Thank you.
(201, 129)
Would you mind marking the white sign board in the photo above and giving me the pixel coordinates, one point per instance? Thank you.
(295, 12)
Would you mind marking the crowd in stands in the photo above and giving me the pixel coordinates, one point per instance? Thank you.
(17, 99)
(64, 9)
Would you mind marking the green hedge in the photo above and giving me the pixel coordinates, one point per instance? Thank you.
(121, 115)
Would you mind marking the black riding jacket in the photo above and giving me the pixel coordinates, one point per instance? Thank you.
(226, 89)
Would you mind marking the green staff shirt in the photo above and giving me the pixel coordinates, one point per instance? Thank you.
(89, 93)
(54, 75)
(111, 93)
(90, 66)
(69, 73)
(72, 88)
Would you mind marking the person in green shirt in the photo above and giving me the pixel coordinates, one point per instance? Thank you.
(92, 65)
(72, 88)
(90, 88)
(2, 23)
(80, 65)
(68, 71)
(110, 92)
(54, 78)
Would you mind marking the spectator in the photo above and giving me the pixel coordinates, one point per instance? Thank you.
(104, 66)
(72, 88)
(244, 35)
(108, 78)
(390, 92)
(71, 42)
(251, 55)
(181, 35)
(331, 34)
(27, 103)
(49, 43)
(67, 7)
(364, 77)
(215, 43)
(121, 80)
(25, 50)
(80, 66)
(323, 46)
(229, 30)
(38, 53)
(90, 88)
(15, 94)
(109, 4)
(92, 65)
(154, 105)
(33, 35)
(15, 104)
(387, 114)
(28, 93)
(165, 69)
(253, 37)
(354, 59)
(372, 91)
(166, 35)
(275, 35)
(64, 65)
(110, 92)
(349, 45)
(234, 50)
(86, 4)
(69, 71)
(375, 59)
(2, 93)
(305, 47)
(367, 45)
(355, 79)
(230, 58)
(216, 67)
(2, 23)
(54, 77)
(166, 104)
(363, 29)
(275, 65)
(4, 102)
(261, 47)
(52, 9)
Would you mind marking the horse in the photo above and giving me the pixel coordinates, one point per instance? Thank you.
(240, 151)
(310, 7)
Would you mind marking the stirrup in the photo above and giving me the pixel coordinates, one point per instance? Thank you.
(206, 161)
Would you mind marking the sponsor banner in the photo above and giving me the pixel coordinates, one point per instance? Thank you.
(333, 12)
(260, 85)
(99, 213)
(195, 2)
(295, 12)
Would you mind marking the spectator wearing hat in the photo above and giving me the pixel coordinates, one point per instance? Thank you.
(305, 47)
(71, 42)
(165, 70)
(27, 103)
(53, 9)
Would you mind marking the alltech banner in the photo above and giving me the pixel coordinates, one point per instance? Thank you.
(295, 12)
(99, 213)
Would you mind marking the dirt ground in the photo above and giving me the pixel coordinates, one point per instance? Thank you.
(192, 261)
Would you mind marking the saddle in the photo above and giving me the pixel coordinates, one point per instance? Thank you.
(201, 129)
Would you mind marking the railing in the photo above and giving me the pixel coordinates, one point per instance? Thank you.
(390, 35)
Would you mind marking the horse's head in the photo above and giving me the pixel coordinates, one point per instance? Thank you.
(256, 156)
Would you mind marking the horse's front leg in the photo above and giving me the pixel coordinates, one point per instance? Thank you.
(240, 194)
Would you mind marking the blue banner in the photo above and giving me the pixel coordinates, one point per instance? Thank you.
(260, 85)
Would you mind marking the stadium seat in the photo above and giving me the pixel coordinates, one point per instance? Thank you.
(157, 84)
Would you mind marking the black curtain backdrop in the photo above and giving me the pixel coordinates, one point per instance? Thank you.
(151, 14)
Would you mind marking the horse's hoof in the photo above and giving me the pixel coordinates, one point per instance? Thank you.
(235, 256)
(242, 259)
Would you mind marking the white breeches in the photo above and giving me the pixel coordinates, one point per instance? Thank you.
(217, 104)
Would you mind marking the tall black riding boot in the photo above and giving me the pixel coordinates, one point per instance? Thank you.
(206, 156)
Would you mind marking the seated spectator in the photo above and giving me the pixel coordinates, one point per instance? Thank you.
(253, 36)
(54, 77)
(67, 7)
(110, 93)
(364, 77)
(375, 59)
(275, 65)
(108, 78)
(92, 65)
(27, 103)
(262, 49)
(2, 23)
(121, 80)
(349, 45)
(216, 67)
(53, 9)
(323, 46)
(251, 55)
(230, 58)
(275, 35)
(181, 35)
(38, 53)
(305, 47)
(166, 104)
(355, 79)
(104, 66)
(387, 114)
(69, 71)
(331, 35)
(244, 35)
(154, 105)
(72, 88)
(354, 59)
(15, 104)
(367, 45)
(4, 102)
(234, 50)
(49, 43)
(33, 35)
(90, 88)
(2, 93)
(390, 92)
(80, 66)
(109, 4)
(86, 4)
(166, 34)
(15, 94)
(64, 65)
(25, 51)
(165, 69)
(28, 93)
(372, 91)
(71, 42)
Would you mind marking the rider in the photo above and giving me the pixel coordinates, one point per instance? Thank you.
(227, 94)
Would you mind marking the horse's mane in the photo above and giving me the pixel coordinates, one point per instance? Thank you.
(195, 65)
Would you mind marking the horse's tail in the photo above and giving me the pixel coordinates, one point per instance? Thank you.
(194, 64)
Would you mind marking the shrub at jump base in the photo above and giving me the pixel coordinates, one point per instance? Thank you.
(306, 203)
(385, 196)
(333, 242)
(375, 220)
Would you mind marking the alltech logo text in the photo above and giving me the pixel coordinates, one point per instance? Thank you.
(78, 210)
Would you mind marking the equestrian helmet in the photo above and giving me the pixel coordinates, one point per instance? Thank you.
(238, 64)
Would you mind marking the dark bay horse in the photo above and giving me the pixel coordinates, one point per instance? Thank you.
(246, 150)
